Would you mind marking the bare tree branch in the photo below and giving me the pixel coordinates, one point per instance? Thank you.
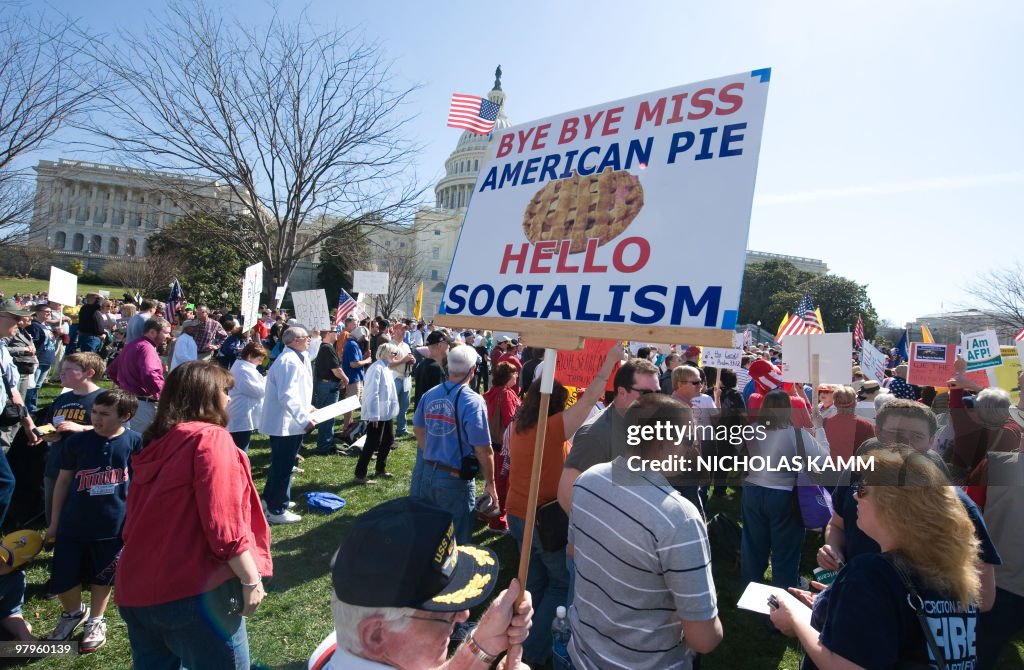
(304, 126)
(1000, 293)
(404, 273)
(150, 276)
(44, 85)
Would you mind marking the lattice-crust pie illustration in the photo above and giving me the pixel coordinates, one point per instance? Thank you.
(577, 208)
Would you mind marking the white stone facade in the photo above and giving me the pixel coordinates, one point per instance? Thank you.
(107, 210)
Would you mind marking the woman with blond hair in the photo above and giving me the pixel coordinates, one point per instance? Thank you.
(379, 408)
(915, 603)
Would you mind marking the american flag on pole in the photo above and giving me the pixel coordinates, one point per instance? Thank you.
(1019, 337)
(794, 326)
(805, 311)
(175, 301)
(346, 305)
(472, 113)
(858, 332)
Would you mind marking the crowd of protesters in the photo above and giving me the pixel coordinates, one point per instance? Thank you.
(622, 546)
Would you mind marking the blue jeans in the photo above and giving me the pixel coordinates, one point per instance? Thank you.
(401, 427)
(548, 583)
(770, 527)
(417, 472)
(32, 395)
(324, 394)
(453, 495)
(242, 438)
(6, 486)
(278, 489)
(89, 343)
(195, 633)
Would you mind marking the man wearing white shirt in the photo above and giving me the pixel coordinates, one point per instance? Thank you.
(286, 418)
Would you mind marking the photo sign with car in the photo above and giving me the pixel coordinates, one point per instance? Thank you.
(576, 219)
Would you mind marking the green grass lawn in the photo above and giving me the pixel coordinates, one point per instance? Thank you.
(11, 285)
(295, 616)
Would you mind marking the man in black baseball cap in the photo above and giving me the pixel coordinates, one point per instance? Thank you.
(400, 585)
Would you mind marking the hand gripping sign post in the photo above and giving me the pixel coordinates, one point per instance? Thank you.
(575, 225)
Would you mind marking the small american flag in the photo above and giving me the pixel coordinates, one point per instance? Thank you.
(175, 301)
(472, 113)
(858, 332)
(805, 311)
(345, 307)
(1019, 336)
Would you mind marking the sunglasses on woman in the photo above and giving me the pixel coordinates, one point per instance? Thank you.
(860, 489)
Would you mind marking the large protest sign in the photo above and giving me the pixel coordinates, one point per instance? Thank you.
(63, 287)
(981, 350)
(575, 220)
(872, 362)
(833, 350)
(373, 283)
(721, 358)
(252, 286)
(311, 309)
(933, 365)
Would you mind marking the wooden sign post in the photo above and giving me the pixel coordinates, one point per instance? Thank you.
(547, 382)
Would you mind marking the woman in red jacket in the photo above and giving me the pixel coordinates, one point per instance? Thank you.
(196, 543)
(502, 404)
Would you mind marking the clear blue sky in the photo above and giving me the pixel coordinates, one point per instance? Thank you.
(892, 144)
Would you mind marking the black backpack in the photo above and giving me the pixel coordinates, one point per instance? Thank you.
(725, 537)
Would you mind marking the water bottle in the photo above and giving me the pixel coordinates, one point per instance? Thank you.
(560, 634)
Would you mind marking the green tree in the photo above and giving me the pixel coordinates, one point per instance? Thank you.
(205, 263)
(76, 267)
(773, 289)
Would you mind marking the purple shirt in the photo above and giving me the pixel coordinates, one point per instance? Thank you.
(138, 369)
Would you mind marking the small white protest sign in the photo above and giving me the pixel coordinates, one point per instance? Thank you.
(279, 293)
(63, 288)
(717, 357)
(252, 286)
(981, 350)
(311, 309)
(872, 362)
(834, 351)
(374, 283)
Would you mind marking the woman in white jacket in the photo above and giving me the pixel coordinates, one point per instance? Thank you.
(246, 395)
(379, 408)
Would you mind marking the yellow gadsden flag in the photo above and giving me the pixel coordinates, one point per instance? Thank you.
(417, 307)
(782, 325)
(821, 321)
(926, 335)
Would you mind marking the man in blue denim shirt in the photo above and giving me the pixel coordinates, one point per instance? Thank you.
(451, 425)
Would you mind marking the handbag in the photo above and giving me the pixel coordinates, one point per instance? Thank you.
(552, 526)
(12, 413)
(813, 502)
(916, 603)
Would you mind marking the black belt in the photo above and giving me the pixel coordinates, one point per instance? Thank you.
(454, 472)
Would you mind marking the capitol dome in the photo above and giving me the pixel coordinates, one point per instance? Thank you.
(455, 189)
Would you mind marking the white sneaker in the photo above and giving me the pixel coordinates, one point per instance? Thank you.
(263, 504)
(68, 624)
(95, 635)
(284, 517)
(296, 470)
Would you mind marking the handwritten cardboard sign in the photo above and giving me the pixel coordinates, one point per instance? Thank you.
(932, 365)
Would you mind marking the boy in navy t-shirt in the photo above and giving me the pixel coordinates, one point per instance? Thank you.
(70, 413)
(88, 513)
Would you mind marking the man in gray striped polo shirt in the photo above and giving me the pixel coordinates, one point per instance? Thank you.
(644, 594)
